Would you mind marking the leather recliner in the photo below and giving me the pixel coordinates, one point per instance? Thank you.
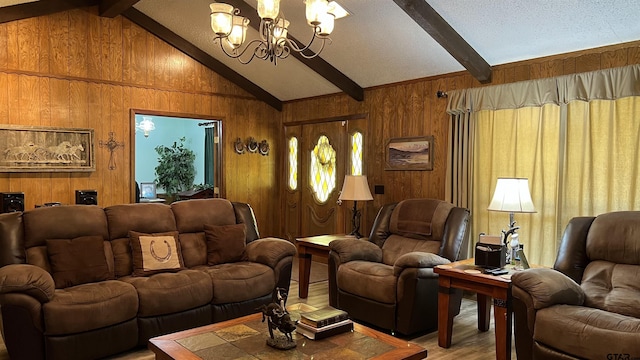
(588, 305)
(387, 280)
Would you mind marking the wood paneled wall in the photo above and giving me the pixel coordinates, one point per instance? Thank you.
(76, 69)
(412, 109)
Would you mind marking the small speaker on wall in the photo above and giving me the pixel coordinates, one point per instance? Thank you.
(12, 201)
(87, 197)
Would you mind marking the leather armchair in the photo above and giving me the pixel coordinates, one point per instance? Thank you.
(387, 280)
(588, 305)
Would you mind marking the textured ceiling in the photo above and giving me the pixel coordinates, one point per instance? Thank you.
(380, 44)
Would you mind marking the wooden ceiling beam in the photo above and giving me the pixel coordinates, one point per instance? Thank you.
(425, 16)
(40, 8)
(113, 8)
(202, 57)
(317, 64)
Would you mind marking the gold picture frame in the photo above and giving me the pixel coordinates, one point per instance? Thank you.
(409, 153)
(46, 149)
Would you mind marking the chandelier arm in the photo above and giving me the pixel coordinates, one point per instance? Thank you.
(235, 55)
(315, 53)
(297, 49)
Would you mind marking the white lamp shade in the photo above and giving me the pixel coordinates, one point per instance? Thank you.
(355, 187)
(512, 195)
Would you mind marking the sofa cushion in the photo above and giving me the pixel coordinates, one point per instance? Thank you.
(369, 280)
(587, 333)
(194, 249)
(168, 293)
(145, 218)
(90, 306)
(240, 281)
(77, 261)
(154, 253)
(225, 243)
(612, 287)
(45, 223)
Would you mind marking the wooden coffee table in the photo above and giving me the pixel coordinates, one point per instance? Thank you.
(245, 338)
(308, 246)
(465, 275)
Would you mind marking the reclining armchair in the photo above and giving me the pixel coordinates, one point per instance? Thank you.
(588, 305)
(387, 280)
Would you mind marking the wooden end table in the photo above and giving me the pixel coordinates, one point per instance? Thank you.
(465, 275)
(308, 246)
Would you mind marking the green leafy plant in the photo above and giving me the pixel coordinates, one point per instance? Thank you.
(202, 186)
(176, 170)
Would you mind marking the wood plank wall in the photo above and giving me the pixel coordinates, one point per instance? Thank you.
(76, 69)
(412, 109)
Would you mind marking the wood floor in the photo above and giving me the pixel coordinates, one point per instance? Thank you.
(468, 342)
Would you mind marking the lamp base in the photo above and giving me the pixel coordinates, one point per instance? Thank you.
(355, 221)
(355, 233)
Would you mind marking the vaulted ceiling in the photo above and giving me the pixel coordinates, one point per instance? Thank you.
(382, 42)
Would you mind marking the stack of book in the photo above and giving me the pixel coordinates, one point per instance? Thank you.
(325, 322)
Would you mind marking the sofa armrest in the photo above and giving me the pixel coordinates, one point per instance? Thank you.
(417, 259)
(27, 279)
(269, 251)
(356, 249)
(548, 287)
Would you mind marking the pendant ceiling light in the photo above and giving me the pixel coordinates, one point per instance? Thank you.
(230, 29)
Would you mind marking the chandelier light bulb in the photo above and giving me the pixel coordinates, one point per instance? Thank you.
(146, 125)
(268, 9)
(280, 30)
(326, 25)
(221, 18)
(238, 31)
(315, 10)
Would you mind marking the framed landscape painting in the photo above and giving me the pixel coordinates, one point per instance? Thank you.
(409, 153)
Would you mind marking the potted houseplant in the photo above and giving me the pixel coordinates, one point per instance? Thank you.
(175, 171)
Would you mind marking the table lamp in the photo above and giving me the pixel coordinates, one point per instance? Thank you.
(512, 195)
(356, 188)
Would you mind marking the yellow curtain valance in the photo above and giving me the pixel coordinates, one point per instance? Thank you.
(609, 84)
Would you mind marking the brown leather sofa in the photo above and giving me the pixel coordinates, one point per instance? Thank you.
(41, 320)
(588, 305)
(387, 280)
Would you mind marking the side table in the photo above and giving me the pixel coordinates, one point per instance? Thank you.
(308, 246)
(465, 275)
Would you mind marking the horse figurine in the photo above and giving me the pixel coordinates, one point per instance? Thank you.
(278, 318)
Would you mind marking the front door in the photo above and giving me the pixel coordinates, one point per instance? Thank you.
(323, 159)
(322, 172)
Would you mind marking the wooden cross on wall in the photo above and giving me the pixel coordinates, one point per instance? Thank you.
(112, 145)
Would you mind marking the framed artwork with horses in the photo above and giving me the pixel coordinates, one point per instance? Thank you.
(45, 149)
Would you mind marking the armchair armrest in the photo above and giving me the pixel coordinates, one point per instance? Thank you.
(548, 287)
(269, 251)
(351, 250)
(27, 279)
(417, 259)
